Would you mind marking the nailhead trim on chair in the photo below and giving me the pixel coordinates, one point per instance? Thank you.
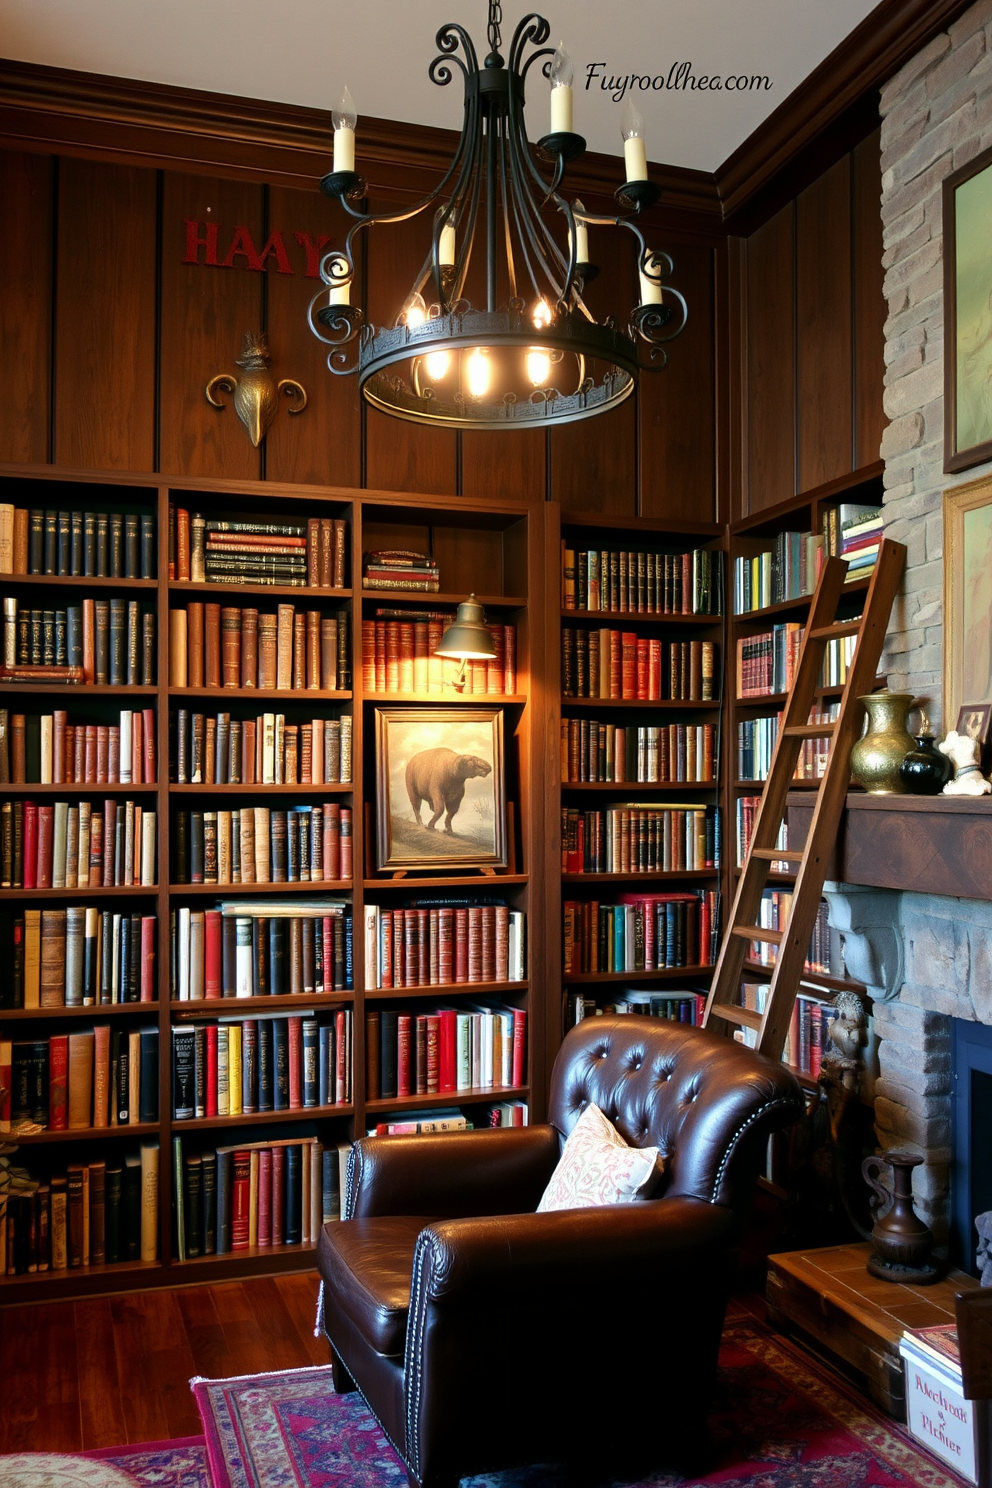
(413, 1364)
(755, 1116)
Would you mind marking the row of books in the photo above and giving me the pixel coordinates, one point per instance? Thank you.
(77, 544)
(756, 738)
(441, 943)
(237, 1067)
(265, 750)
(262, 844)
(46, 749)
(245, 949)
(93, 1214)
(438, 1051)
(212, 645)
(645, 754)
(52, 845)
(426, 1123)
(787, 570)
(294, 554)
(621, 664)
(674, 1007)
(767, 663)
(643, 932)
(809, 1027)
(97, 1077)
(398, 655)
(79, 956)
(110, 642)
(640, 839)
(824, 957)
(642, 582)
(264, 1193)
(399, 568)
(747, 812)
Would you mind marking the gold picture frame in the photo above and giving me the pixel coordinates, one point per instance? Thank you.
(967, 229)
(967, 596)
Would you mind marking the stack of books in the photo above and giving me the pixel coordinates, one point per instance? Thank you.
(648, 753)
(398, 568)
(640, 839)
(241, 1066)
(263, 1193)
(52, 845)
(860, 535)
(645, 583)
(644, 932)
(265, 750)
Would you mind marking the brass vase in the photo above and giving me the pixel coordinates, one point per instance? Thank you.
(876, 758)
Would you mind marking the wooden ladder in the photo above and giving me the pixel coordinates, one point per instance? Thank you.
(822, 626)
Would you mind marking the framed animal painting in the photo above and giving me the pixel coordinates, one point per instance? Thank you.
(440, 788)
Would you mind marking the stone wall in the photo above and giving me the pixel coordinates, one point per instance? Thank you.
(936, 116)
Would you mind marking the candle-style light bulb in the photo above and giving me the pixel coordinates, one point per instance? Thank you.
(635, 153)
(581, 234)
(414, 311)
(560, 74)
(650, 287)
(542, 314)
(538, 366)
(446, 246)
(478, 371)
(340, 292)
(437, 364)
(344, 118)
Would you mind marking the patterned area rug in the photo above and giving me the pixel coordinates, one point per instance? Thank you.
(779, 1421)
(181, 1463)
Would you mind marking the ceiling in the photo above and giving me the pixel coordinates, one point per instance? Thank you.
(303, 52)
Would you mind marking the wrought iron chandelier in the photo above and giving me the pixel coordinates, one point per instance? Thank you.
(536, 355)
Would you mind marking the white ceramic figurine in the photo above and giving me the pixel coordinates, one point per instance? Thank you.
(968, 779)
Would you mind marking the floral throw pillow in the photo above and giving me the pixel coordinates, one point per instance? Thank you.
(597, 1167)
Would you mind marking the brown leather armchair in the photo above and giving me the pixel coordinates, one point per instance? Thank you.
(484, 1335)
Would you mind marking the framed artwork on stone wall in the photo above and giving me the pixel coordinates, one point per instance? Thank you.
(967, 597)
(967, 200)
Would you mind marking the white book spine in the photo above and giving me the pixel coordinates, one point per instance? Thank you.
(126, 747)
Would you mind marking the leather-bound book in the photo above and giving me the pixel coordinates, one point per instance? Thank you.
(347, 864)
(313, 552)
(235, 754)
(267, 650)
(194, 644)
(247, 844)
(134, 643)
(58, 746)
(263, 844)
(285, 616)
(294, 955)
(109, 864)
(58, 1083)
(249, 647)
(309, 670)
(328, 653)
(388, 1054)
(326, 552)
(230, 641)
(42, 874)
(148, 1172)
(248, 747)
(211, 645)
(117, 661)
(20, 540)
(74, 1218)
(209, 750)
(318, 769)
(80, 1103)
(182, 543)
(340, 540)
(178, 648)
(17, 757)
(210, 875)
(147, 547)
(222, 749)
(291, 754)
(403, 1053)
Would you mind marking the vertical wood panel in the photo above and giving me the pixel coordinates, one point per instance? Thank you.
(497, 465)
(105, 317)
(25, 304)
(770, 388)
(677, 424)
(400, 456)
(594, 463)
(824, 389)
(869, 302)
(205, 313)
(323, 444)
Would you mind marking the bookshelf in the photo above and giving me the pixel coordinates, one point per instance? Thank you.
(601, 852)
(494, 548)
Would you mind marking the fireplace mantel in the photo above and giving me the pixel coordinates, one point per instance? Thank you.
(923, 844)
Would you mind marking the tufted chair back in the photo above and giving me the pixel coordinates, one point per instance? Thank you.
(706, 1101)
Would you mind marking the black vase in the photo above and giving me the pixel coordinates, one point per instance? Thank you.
(925, 771)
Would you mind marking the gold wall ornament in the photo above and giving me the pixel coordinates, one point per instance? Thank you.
(256, 392)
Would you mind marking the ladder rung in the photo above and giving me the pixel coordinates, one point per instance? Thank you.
(777, 854)
(758, 932)
(744, 1016)
(836, 631)
(809, 730)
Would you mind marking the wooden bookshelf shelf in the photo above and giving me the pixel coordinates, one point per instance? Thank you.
(80, 689)
(85, 1134)
(757, 786)
(37, 1286)
(77, 581)
(90, 788)
(259, 1118)
(475, 1096)
(123, 891)
(249, 891)
(639, 785)
(388, 598)
(247, 1007)
(661, 875)
(335, 788)
(95, 1010)
(232, 592)
(449, 989)
(261, 1258)
(645, 705)
(667, 973)
(640, 617)
(485, 883)
(798, 606)
(263, 694)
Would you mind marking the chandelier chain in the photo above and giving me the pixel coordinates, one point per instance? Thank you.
(495, 22)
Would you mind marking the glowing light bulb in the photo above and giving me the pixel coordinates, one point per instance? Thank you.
(581, 234)
(478, 372)
(344, 118)
(446, 245)
(437, 364)
(635, 154)
(541, 315)
(414, 312)
(538, 366)
(560, 74)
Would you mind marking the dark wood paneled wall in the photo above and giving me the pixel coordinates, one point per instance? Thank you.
(813, 311)
(114, 336)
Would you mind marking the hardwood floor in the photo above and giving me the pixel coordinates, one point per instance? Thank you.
(75, 1376)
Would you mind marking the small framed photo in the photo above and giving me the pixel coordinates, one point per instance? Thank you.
(974, 720)
(967, 597)
(967, 201)
(440, 788)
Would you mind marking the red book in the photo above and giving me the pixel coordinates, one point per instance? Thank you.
(211, 1041)
(399, 952)
(58, 1082)
(295, 1063)
(380, 656)
(327, 942)
(79, 754)
(488, 944)
(476, 915)
(102, 754)
(628, 683)
(46, 828)
(138, 748)
(58, 746)
(30, 844)
(278, 1193)
(368, 655)
(89, 757)
(96, 850)
(147, 989)
(642, 667)
(403, 1035)
(519, 1044)
(265, 1195)
(423, 948)
(654, 668)
(386, 947)
(113, 756)
(182, 558)
(686, 606)
(461, 945)
(346, 843)
(445, 946)
(342, 1061)
(447, 1042)
(213, 980)
(240, 1192)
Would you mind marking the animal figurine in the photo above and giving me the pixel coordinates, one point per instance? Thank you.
(438, 777)
(964, 753)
